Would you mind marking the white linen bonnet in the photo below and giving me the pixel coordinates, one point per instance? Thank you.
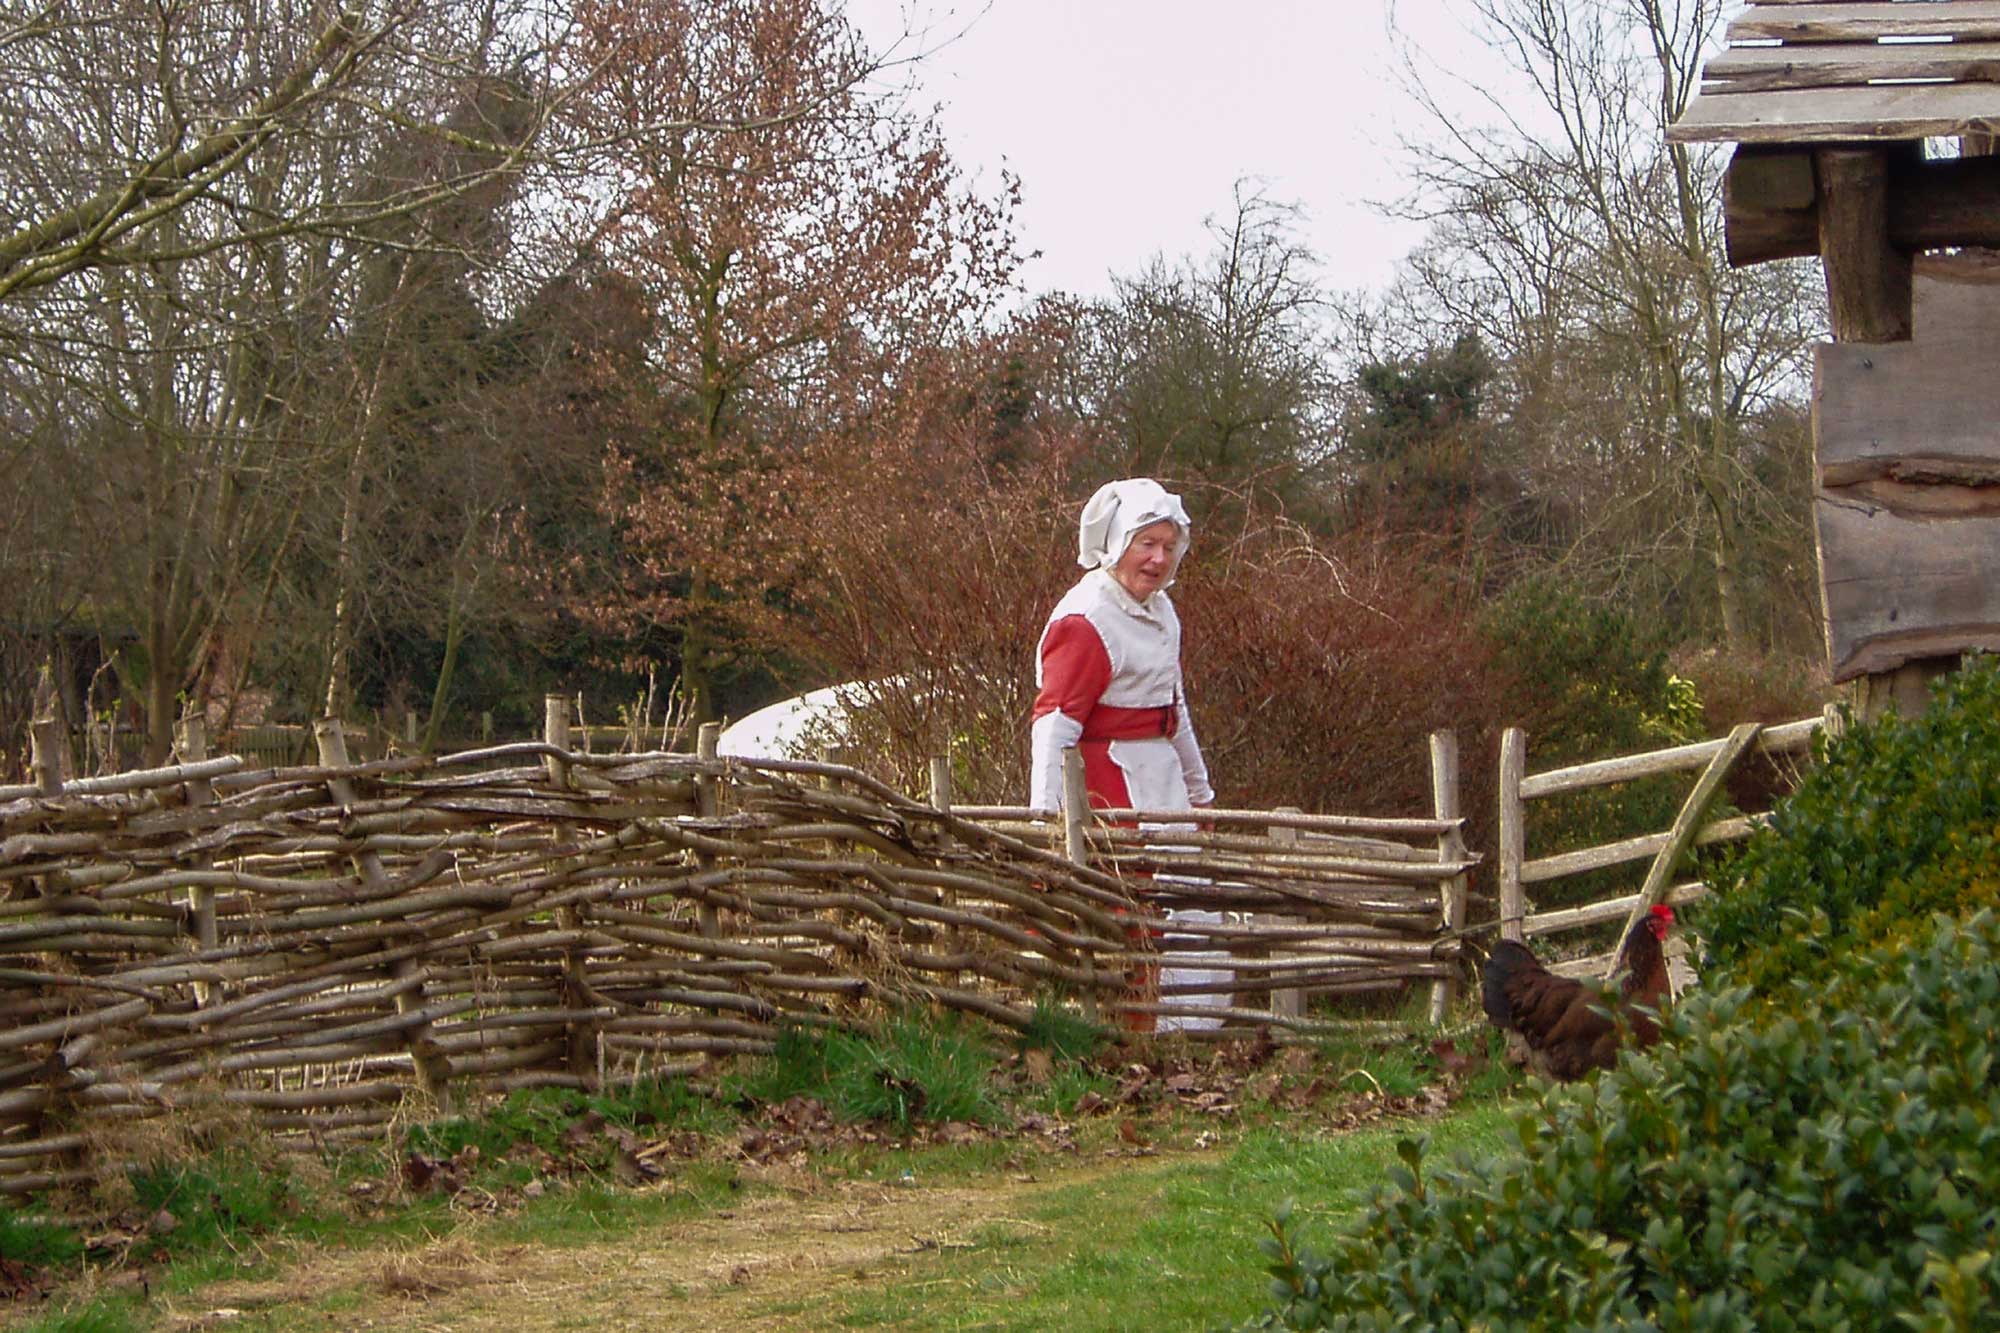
(1119, 510)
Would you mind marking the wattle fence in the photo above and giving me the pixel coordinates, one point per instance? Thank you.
(319, 949)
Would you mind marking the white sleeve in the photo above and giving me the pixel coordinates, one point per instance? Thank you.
(1193, 771)
(1053, 732)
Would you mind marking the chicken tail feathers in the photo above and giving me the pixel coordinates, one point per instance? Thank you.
(1509, 959)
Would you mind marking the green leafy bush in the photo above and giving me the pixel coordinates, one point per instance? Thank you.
(1803, 1160)
(1584, 684)
(1900, 820)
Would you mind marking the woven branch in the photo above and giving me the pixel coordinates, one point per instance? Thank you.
(472, 927)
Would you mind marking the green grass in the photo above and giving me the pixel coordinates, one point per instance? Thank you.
(1159, 1245)
(1150, 1245)
(919, 1066)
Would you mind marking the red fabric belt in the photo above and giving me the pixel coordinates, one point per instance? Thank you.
(1106, 723)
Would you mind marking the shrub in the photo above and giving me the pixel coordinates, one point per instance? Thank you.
(1802, 1160)
(1899, 820)
(1584, 684)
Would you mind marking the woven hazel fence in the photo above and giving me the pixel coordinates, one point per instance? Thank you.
(314, 947)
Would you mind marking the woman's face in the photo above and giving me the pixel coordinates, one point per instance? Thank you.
(1143, 569)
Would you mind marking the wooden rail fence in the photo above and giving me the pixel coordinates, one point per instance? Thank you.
(315, 946)
(1663, 851)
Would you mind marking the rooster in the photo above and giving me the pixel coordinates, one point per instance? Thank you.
(1565, 1022)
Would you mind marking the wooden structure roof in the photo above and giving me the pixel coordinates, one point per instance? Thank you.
(1800, 71)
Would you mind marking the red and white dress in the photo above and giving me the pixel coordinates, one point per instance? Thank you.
(1108, 677)
(1108, 680)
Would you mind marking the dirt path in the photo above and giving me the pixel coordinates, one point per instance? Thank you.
(765, 1264)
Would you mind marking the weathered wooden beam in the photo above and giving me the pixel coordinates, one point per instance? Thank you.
(1868, 278)
(1931, 205)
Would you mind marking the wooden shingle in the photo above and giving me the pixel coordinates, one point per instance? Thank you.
(1798, 71)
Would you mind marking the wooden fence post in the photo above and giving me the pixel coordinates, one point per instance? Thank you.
(956, 938)
(1076, 808)
(708, 804)
(1451, 847)
(201, 898)
(555, 733)
(1513, 832)
(45, 747)
(581, 1035)
(433, 1069)
(1076, 835)
(1290, 1002)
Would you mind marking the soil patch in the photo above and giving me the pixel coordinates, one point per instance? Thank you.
(765, 1264)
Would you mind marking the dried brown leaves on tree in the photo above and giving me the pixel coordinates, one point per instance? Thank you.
(794, 268)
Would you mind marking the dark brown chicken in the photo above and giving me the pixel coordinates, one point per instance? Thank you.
(1565, 1022)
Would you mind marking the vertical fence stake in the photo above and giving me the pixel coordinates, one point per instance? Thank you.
(1290, 1002)
(582, 1037)
(1076, 808)
(1076, 836)
(555, 732)
(1451, 847)
(1513, 837)
(956, 937)
(45, 747)
(201, 898)
(708, 804)
(433, 1068)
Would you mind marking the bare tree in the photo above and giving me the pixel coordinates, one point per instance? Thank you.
(1587, 251)
(1215, 365)
(793, 267)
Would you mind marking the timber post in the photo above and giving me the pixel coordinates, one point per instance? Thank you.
(46, 749)
(1075, 808)
(940, 783)
(1450, 850)
(1830, 107)
(1513, 833)
(433, 1068)
(1289, 1002)
(1076, 829)
(582, 1039)
(708, 804)
(201, 898)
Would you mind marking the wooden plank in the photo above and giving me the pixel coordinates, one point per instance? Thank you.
(1745, 69)
(1840, 115)
(1963, 20)
(1611, 909)
(1563, 864)
(1904, 586)
(1915, 412)
(1601, 772)
(1686, 824)
(1513, 831)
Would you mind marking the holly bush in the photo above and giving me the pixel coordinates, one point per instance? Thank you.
(1824, 1157)
(1900, 819)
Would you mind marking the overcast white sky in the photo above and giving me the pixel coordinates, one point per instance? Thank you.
(1129, 121)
